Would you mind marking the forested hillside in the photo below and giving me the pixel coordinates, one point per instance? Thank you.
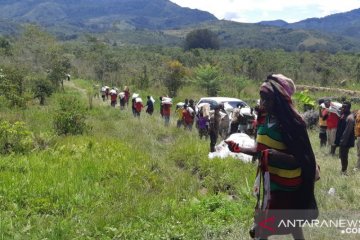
(345, 24)
(89, 15)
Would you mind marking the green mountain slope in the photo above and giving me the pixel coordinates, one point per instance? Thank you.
(345, 24)
(245, 35)
(94, 15)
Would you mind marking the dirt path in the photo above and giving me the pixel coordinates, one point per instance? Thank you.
(71, 84)
(339, 90)
(84, 93)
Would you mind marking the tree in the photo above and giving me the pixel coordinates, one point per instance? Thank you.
(33, 48)
(42, 88)
(201, 38)
(58, 66)
(5, 46)
(174, 77)
(144, 78)
(357, 72)
(207, 76)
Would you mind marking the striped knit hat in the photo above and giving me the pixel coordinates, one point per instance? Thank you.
(282, 83)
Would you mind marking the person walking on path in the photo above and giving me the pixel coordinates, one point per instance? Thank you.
(357, 135)
(122, 100)
(127, 95)
(166, 110)
(179, 113)
(113, 97)
(138, 107)
(149, 105)
(203, 123)
(345, 135)
(214, 125)
(332, 123)
(188, 119)
(323, 114)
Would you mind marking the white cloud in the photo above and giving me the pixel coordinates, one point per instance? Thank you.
(257, 10)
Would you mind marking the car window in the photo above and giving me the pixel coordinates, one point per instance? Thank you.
(211, 102)
(235, 104)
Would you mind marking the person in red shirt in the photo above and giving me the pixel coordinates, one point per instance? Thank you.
(188, 118)
(113, 97)
(138, 107)
(166, 109)
(127, 95)
(332, 123)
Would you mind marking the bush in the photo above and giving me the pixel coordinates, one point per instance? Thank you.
(70, 117)
(14, 138)
(12, 86)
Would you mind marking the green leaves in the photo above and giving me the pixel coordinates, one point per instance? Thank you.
(208, 77)
(304, 98)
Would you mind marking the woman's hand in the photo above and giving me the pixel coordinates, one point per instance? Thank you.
(233, 146)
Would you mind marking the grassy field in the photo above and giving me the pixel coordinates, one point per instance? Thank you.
(135, 179)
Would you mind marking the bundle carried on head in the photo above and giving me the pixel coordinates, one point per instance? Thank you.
(166, 101)
(135, 95)
(180, 105)
(121, 95)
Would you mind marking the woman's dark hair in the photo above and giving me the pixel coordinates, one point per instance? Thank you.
(298, 144)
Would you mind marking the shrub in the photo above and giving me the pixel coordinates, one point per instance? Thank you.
(14, 138)
(70, 117)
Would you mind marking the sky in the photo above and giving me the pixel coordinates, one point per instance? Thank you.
(251, 11)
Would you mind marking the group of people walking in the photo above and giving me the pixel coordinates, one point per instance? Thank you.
(287, 169)
(185, 113)
(338, 128)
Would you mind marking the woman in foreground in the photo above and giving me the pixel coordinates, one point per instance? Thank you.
(287, 167)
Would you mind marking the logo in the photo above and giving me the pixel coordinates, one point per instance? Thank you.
(268, 224)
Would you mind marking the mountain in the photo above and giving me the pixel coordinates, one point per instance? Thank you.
(247, 35)
(101, 15)
(275, 23)
(161, 22)
(342, 24)
(8, 27)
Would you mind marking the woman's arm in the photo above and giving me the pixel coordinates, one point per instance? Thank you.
(282, 158)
